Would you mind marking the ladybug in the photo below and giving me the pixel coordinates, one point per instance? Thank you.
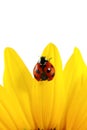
(43, 70)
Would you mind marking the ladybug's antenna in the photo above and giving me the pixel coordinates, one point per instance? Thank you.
(49, 58)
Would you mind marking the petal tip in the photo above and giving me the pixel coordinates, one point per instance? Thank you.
(7, 49)
(77, 53)
(51, 44)
(76, 50)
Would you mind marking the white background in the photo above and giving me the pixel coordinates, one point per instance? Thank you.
(29, 25)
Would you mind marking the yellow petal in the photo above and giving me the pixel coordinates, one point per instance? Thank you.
(9, 110)
(5, 118)
(49, 96)
(18, 83)
(74, 74)
(73, 70)
(76, 114)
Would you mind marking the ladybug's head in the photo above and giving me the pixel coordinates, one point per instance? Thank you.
(42, 60)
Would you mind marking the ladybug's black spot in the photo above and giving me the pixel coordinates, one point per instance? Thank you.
(37, 71)
(53, 74)
(44, 76)
(52, 66)
(48, 70)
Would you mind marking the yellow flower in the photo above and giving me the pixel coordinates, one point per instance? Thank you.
(59, 104)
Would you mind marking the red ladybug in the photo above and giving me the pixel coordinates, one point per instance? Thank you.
(43, 70)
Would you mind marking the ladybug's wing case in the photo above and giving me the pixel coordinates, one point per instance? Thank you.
(44, 71)
(49, 70)
(37, 71)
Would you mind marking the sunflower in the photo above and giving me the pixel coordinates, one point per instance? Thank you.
(59, 104)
